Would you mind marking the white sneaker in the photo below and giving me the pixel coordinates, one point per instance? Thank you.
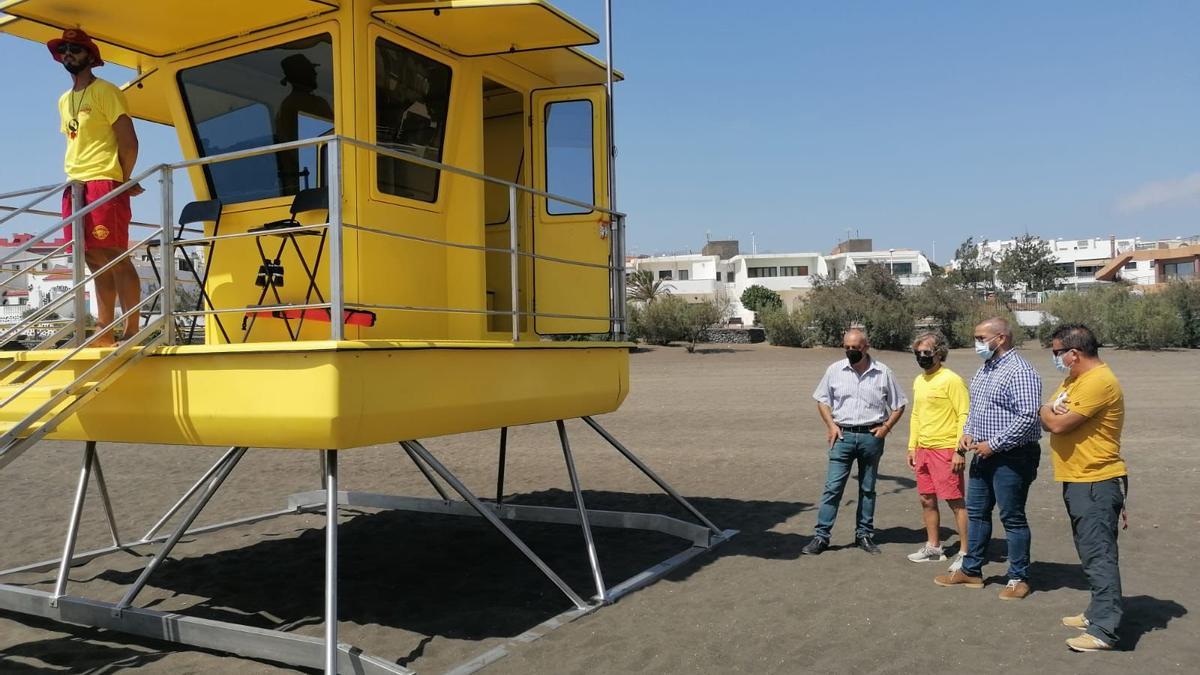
(956, 565)
(928, 554)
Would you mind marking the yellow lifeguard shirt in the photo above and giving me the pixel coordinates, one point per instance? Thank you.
(940, 406)
(92, 151)
(1092, 452)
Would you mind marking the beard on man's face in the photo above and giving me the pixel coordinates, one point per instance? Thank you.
(83, 63)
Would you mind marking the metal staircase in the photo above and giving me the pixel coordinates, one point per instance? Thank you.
(42, 387)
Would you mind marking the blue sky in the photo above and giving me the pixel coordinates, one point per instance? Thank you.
(908, 123)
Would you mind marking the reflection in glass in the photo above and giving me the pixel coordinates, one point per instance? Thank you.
(412, 98)
(283, 93)
(570, 164)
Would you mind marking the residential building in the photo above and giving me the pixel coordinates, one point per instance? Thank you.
(1152, 266)
(32, 282)
(704, 276)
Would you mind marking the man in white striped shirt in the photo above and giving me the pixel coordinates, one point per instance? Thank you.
(860, 401)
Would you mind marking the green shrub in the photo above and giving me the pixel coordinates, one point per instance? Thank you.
(786, 329)
(664, 320)
(965, 324)
(1147, 322)
(1185, 298)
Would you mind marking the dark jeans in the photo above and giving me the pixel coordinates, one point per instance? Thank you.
(1095, 511)
(1004, 479)
(865, 449)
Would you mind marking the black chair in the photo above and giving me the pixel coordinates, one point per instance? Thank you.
(270, 276)
(207, 211)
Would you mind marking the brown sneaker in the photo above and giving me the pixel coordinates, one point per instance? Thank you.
(1078, 621)
(1088, 643)
(1015, 589)
(958, 578)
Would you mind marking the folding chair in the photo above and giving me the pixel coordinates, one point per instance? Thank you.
(207, 211)
(270, 273)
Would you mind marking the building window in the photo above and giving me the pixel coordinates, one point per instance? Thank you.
(762, 272)
(1131, 265)
(412, 98)
(1179, 270)
(718, 276)
(683, 275)
(901, 269)
(730, 277)
(795, 271)
(237, 103)
(1065, 269)
(665, 275)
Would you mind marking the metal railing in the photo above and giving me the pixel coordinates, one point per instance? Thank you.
(335, 229)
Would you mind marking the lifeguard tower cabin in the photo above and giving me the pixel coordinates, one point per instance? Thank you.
(403, 206)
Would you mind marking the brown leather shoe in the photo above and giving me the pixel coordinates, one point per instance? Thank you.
(958, 578)
(1015, 589)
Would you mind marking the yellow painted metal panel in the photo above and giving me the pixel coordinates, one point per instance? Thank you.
(481, 27)
(345, 395)
(561, 67)
(158, 27)
(43, 33)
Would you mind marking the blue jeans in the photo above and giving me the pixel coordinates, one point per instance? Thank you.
(1004, 479)
(852, 447)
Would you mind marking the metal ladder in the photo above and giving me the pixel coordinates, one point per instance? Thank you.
(26, 383)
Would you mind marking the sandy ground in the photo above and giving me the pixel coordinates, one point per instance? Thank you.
(735, 430)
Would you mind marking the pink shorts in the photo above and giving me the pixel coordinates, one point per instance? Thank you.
(934, 476)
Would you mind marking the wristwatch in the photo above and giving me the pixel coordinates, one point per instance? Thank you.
(960, 452)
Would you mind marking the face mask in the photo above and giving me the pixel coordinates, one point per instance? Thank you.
(854, 356)
(1060, 364)
(983, 350)
(926, 362)
(75, 68)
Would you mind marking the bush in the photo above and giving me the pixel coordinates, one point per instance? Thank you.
(1185, 298)
(1126, 320)
(786, 329)
(633, 321)
(663, 321)
(949, 307)
(872, 298)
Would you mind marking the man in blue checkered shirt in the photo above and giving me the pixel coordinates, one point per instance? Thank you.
(1003, 431)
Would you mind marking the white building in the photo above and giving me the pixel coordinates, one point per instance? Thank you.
(1079, 260)
(31, 289)
(699, 277)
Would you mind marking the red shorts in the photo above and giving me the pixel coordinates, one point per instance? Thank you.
(934, 476)
(107, 226)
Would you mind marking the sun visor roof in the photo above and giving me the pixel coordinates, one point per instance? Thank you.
(154, 28)
(147, 100)
(562, 67)
(486, 27)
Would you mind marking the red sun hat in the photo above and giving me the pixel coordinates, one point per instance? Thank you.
(78, 37)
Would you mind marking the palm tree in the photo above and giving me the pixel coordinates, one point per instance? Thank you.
(643, 287)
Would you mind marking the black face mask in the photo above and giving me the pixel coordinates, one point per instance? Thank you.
(76, 68)
(926, 362)
(854, 356)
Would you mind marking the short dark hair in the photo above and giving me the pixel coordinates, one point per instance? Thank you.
(1079, 337)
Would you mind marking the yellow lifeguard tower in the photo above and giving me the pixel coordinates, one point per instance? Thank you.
(402, 206)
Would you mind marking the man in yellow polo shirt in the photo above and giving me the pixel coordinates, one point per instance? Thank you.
(940, 407)
(102, 149)
(1085, 419)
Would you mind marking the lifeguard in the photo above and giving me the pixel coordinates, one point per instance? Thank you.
(102, 149)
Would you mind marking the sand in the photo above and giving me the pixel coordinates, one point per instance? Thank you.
(734, 429)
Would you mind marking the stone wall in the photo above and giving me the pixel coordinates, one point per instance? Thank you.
(740, 336)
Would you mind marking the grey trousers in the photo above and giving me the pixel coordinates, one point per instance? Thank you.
(1095, 511)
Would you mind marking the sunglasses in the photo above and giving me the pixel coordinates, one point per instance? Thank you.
(1059, 352)
(924, 352)
(70, 47)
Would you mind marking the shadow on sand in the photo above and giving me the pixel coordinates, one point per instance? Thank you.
(428, 574)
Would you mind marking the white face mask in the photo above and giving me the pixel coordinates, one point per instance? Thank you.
(1060, 364)
(983, 350)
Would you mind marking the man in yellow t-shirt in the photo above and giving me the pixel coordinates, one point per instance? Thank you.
(102, 149)
(940, 407)
(1085, 419)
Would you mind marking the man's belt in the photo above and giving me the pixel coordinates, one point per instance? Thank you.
(859, 429)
